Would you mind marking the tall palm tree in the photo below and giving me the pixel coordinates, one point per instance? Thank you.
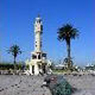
(15, 51)
(67, 32)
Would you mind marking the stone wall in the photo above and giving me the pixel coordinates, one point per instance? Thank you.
(11, 72)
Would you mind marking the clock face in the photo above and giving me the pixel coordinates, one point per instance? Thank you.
(38, 27)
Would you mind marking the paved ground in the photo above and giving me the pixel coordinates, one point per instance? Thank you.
(22, 85)
(31, 85)
(85, 84)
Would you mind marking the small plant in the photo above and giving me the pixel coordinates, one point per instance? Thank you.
(62, 88)
(19, 66)
(58, 85)
(27, 67)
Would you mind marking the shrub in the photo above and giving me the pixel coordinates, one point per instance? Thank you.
(19, 66)
(58, 85)
(6, 66)
(27, 67)
(62, 88)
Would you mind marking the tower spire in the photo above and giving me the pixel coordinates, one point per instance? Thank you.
(38, 15)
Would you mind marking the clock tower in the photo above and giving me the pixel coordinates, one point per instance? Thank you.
(38, 62)
(38, 28)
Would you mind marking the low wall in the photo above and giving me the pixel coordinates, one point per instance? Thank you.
(11, 72)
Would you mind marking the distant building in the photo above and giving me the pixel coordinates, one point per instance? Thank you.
(59, 66)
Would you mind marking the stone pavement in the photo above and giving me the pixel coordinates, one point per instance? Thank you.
(22, 85)
(31, 85)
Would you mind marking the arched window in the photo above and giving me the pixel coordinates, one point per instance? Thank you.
(43, 55)
(39, 56)
(34, 56)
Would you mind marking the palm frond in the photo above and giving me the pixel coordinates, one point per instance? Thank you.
(67, 31)
(14, 50)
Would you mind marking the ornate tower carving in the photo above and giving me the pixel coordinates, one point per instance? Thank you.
(38, 28)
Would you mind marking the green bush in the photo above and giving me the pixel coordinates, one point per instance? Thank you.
(19, 66)
(62, 88)
(6, 66)
(58, 85)
(27, 67)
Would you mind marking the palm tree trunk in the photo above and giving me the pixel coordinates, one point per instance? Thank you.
(14, 62)
(69, 53)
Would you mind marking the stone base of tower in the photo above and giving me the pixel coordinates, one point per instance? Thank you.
(38, 63)
(36, 70)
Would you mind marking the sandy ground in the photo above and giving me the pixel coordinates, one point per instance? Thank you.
(31, 85)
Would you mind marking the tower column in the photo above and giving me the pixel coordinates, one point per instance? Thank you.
(36, 69)
(38, 32)
(30, 67)
(37, 42)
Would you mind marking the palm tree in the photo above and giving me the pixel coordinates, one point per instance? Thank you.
(15, 51)
(67, 32)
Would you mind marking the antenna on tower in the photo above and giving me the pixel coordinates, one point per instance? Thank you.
(38, 15)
